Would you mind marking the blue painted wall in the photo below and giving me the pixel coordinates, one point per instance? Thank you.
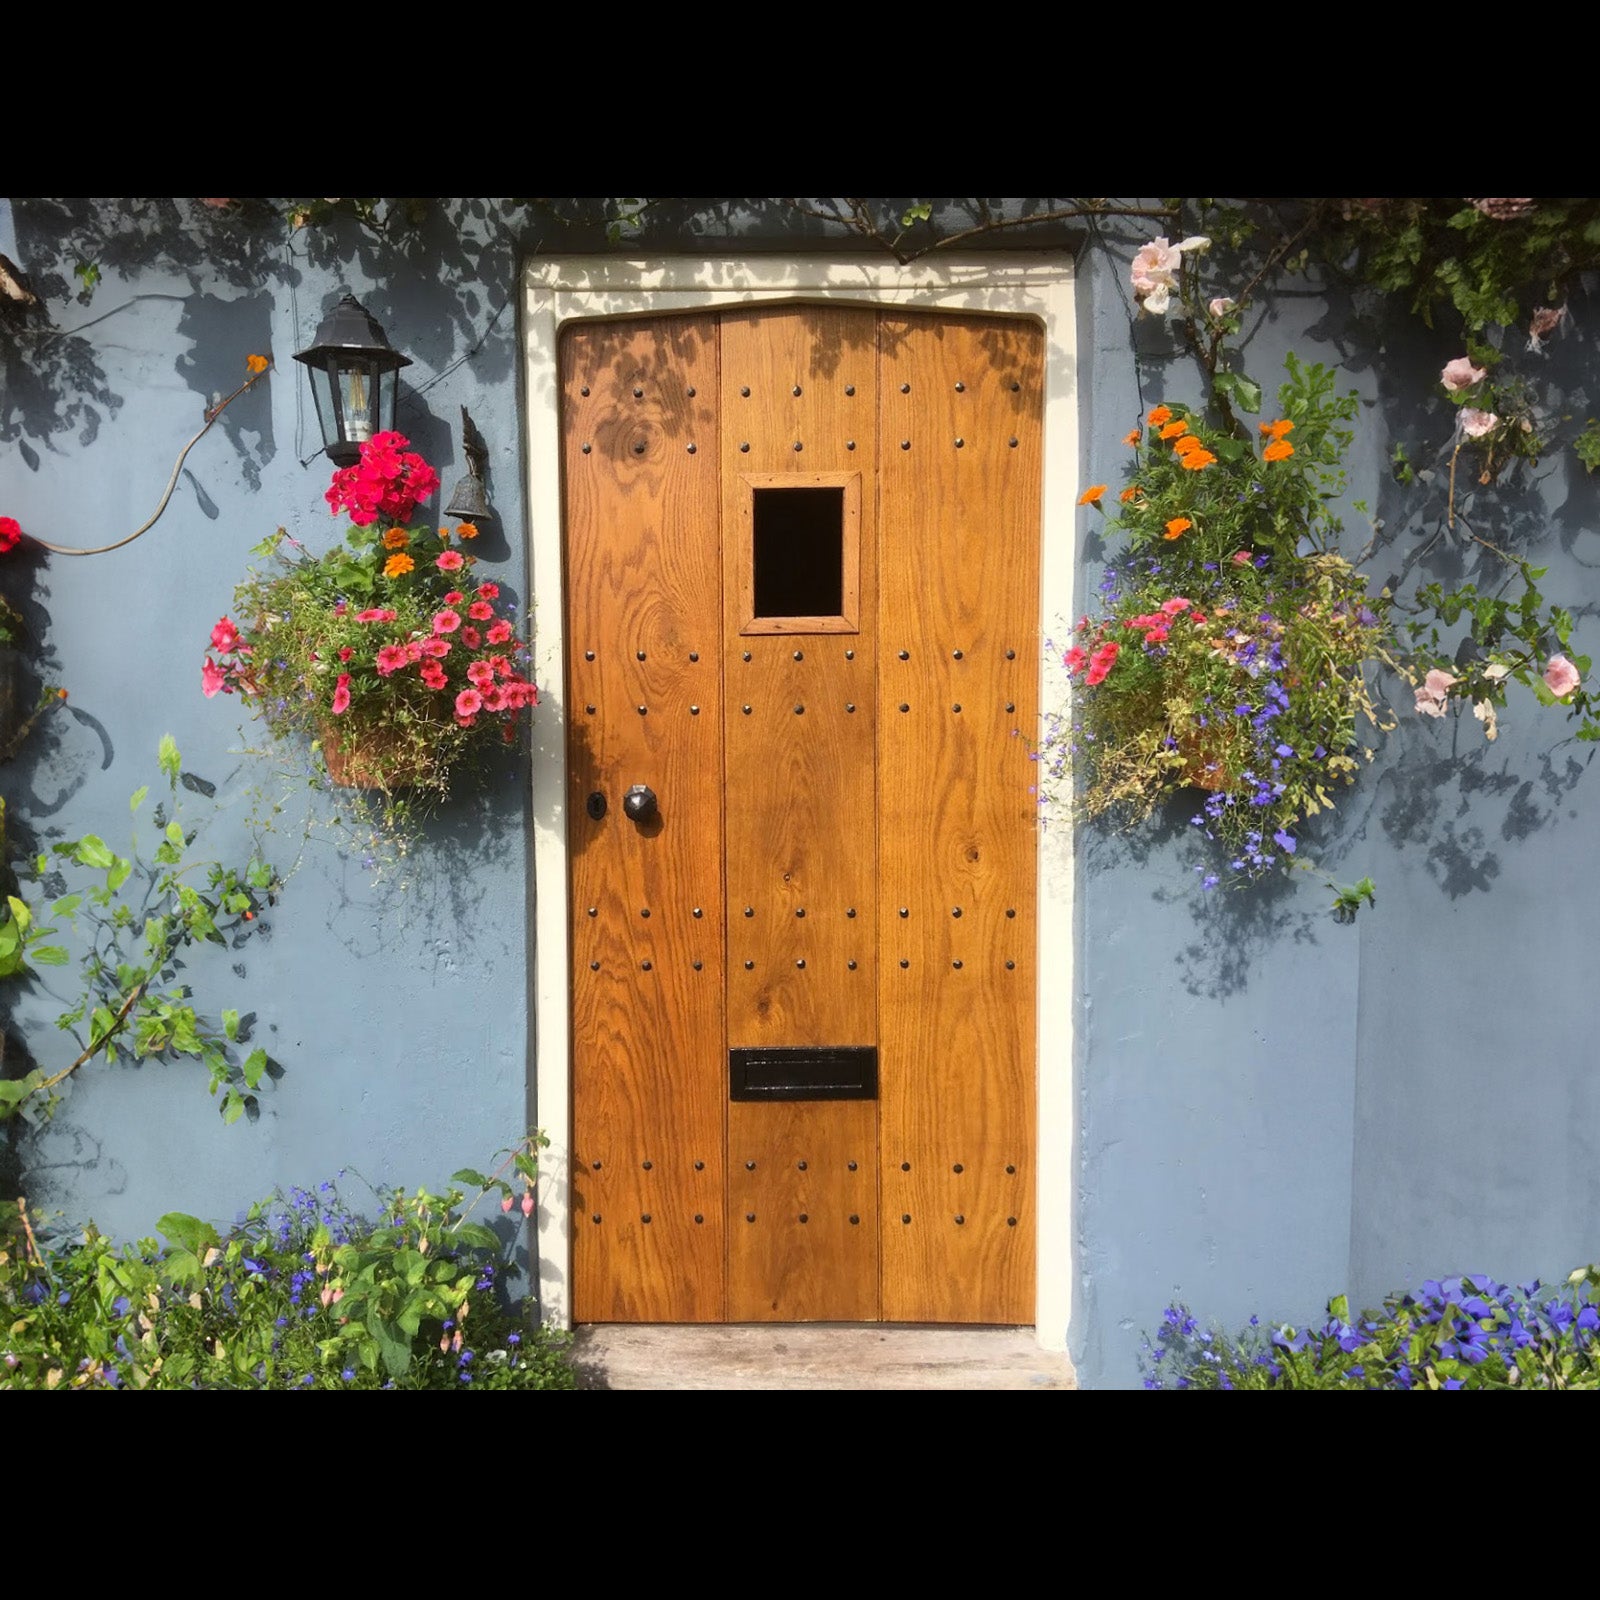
(1270, 1108)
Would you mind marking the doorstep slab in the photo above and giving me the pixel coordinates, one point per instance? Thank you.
(814, 1356)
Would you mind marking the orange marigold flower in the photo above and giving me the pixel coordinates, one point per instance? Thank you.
(1190, 441)
(396, 539)
(1195, 460)
(1091, 495)
(257, 363)
(1281, 427)
(1132, 436)
(1132, 492)
(1174, 429)
(1177, 528)
(1159, 415)
(397, 565)
(1277, 451)
(467, 530)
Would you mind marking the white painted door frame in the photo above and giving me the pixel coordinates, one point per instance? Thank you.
(557, 290)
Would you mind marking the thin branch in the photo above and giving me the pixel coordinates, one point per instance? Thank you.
(211, 416)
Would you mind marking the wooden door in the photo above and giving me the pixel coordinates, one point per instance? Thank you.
(802, 567)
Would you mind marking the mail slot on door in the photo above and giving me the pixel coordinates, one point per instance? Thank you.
(772, 1073)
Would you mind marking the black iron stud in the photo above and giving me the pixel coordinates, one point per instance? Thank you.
(691, 393)
(594, 911)
(849, 444)
(1011, 655)
(694, 655)
(800, 1165)
(586, 449)
(961, 388)
(955, 911)
(745, 447)
(797, 391)
(905, 1216)
(698, 912)
(644, 966)
(584, 391)
(849, 705)
(851, 1165)
(698, 1217)
(1010, 966)
(746, 710)
(1015, 387)
(745, 392)
(638, 447)
(694, 711)
(644, 1216)
(905, 911)
(904, 706)
(905, 963)
(799, 655)
(956, 706)
(749, 1166)
(748, 965)
(905, 388)
(849, 388)
(956, 965)
(638, 655)
(588, 655)
(849, 655)
(1011, 911)
(638, 394)
(959, 1219)
(798, 445)
(690, 448)
(799, 711)
(855, 1221)
(850, 911)
(699, 1166)
(957, 1167)
(804, 1217)
(589, 709)
(905, 655)
(1011, 1169)
(905, 1166)
(1011, 1222)
(1011, 705)
(644, 911)
(698, 965)
(595, 1217)
(749, 911)
(746, 655)
(800, 911)
(960, 443)
(643, 710)
(1012, 443)
(801, 962)
(594, 966)
(905, 444)
(749, 1216)
(956, 655)
(851, 965)
(647, 1165)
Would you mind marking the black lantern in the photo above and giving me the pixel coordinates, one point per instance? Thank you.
(355, 379)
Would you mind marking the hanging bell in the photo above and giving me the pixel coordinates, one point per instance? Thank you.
(468, 501)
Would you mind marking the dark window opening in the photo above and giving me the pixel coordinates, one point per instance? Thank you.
(799, 552)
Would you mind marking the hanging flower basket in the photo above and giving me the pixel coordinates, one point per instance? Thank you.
(374, 758)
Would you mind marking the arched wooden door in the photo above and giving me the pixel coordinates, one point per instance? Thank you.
(802, 570)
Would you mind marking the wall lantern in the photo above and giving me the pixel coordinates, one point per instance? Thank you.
(355, 379)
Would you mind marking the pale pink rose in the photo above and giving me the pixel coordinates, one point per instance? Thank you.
(1460, 374)
(1154, 274)
(1195, 241)
(1431, 696)
(1220, 307)
(1475, 424)
(1560, 677)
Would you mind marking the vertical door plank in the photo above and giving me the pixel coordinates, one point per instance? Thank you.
(960, 484)
(801, 826)
(644, 616)
(802, 1211)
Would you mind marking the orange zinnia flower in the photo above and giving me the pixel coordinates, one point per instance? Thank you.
(1177, 528)
(1158, 416)
(396, 539)
(1277, 451)
(1132, 436)
(1190, 441)
(1276, 429)
(1091, 495)
(257, 363)
(1174, 429)
(1196, 459)
(397, 565)
(1132, 492)
(467, 530)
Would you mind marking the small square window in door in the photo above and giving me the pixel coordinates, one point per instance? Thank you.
(800, 564)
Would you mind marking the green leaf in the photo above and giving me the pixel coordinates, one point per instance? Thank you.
(232, 1106)
(254, 1065)
(478, 1235)
(137, 798)
(92, 851)
(393, 1346)
(1244, 392)
(20, 911)
(117, 873)
(191, 1233)
(175, 834)
(169, 758)
(230, 1023)
(467, 1175)
(66, 905)
(48, 955)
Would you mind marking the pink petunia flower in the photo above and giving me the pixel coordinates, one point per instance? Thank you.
(225, 637)
(499, 633)
(436, 647)
(489, 591)
(433, 675)
(446, 621)
(480, 611)
(391, 657)
(469, 703)
(341, 695)
(454, 598)
(471, 638)
(480, 674)
(212, 678)
(448, 560)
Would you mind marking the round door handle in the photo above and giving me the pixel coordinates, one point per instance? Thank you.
(640, 802)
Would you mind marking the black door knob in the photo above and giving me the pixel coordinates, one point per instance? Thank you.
(640, 802)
